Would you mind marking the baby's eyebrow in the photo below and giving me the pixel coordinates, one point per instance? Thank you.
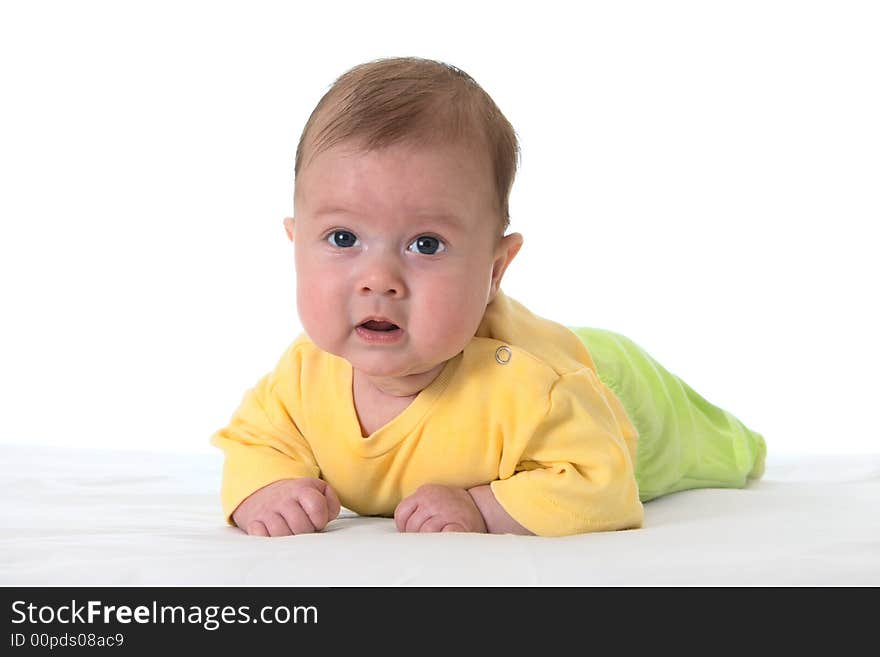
(332, 210)
(448, 218)
(442, 217)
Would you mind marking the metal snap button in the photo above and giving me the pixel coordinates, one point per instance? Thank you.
(503, 355)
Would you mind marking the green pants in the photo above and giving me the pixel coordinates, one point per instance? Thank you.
(684, 441)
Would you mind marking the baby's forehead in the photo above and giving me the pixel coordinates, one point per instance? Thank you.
(428, 179)
(352, 149)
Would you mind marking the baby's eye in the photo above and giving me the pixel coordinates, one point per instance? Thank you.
(427, 245)
(342, 238)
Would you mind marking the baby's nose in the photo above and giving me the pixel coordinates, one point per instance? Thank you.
(378, 288)
(384, 278)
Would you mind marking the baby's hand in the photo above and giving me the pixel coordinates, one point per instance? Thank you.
(436, 508)
(289, 506)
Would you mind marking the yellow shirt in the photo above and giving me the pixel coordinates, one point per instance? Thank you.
(520, 408)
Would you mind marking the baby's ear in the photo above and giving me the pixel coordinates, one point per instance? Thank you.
(288, 226)
(504, 255)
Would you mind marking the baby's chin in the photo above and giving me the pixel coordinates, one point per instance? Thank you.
(384, 363)
(385, 369)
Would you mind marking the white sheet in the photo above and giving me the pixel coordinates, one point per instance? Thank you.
(99, 517)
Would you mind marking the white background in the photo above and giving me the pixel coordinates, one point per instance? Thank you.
(703, 177)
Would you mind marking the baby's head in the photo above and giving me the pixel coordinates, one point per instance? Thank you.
(402, 179)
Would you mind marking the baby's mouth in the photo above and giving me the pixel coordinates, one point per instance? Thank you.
(374, 325)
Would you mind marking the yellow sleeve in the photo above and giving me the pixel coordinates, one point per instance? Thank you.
(574, 473)
(262, 443)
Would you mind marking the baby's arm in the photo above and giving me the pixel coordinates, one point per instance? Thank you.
(270, 475)
(497, 520)
(572, 472)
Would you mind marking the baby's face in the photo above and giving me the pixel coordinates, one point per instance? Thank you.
(402, 233)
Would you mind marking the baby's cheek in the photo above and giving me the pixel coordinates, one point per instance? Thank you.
(451, 325)
(315, 304)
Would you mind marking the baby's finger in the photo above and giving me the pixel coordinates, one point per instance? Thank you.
(276, 524)
(315, 505)
(433, 525)
(417, 519)
(453, 527)
(333, 503)
(257, 528)
(297, 519)
(403, 511)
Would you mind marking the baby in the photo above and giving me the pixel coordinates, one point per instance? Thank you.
(418, 389)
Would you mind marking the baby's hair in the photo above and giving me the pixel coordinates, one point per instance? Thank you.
(417, 100)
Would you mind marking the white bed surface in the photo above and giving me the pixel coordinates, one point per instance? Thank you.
(101, 517)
